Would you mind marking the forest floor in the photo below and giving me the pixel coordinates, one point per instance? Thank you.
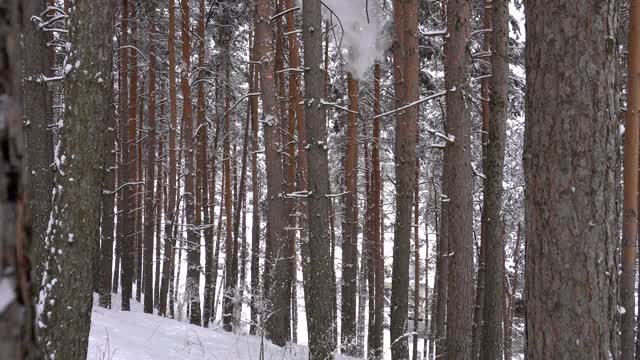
(134, 335)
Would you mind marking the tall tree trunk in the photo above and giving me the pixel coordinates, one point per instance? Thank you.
(277, 288)
(458, 186)
(169, 242)
(630, 217)
(65, 315)
(230, 281)
(317, 264)
(16, 314)
(378, 243)
(193, 240)
(492, 232)
(255, 194)
(296, 113)
(406, 63)
(37, 61)
(126, 246)
(571, 144)
(150, 173)
(350, 226)
(485, 93)
(132, 255)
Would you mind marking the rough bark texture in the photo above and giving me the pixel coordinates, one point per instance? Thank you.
(36, 64)
(378, 260)
(485, 93)
(16, 314)
(571, 142)
(457, 185)
(169, 242)
(350, 226)
(317, 263)
(493, 163)
(126, 246)
(66, 297)
(150, 173)
(406, 64)
(277, 287)
(630, 217)
(193, 240)
(255, 202)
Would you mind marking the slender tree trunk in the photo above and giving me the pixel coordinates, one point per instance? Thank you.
(278, 286)
(350, 226)
(485, 93)
(492, 233)
(377, 223)
(457, 187)
(37, 61)
(126, 245)
(630, 215)
(150, 173)
(255, 205)
(317, 264)
(193, 240)
(65, 319)
(571, 144)
(406, 63)
(169, 241)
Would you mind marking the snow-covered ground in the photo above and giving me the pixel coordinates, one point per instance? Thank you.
(134, 335)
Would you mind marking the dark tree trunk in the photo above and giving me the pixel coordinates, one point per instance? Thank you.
(492, 230)
(458, 183)
(350, 226)
(278, 285)
(406, 63)
(317, 264)
(255, 205)
(36, 64)
(571, 146)
(169, 242)
(66, 315)
(150, 173)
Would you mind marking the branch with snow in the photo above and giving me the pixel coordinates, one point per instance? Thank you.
(417, 102)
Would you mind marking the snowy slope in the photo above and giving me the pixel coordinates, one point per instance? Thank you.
(118, 335)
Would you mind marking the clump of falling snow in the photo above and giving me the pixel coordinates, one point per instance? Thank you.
(362, 39)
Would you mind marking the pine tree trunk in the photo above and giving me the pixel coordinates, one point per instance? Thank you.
(406, 63)
(277, 287)
(493, 232)
(571, 142)
(377, 223)
(480, 287)
(255, 205)
(457, 186)
(630, 216)
(350, 226)
(169, 241)
(65, 316)
(317, 264)
(193, 240)
(150, 173)
(37, 61)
